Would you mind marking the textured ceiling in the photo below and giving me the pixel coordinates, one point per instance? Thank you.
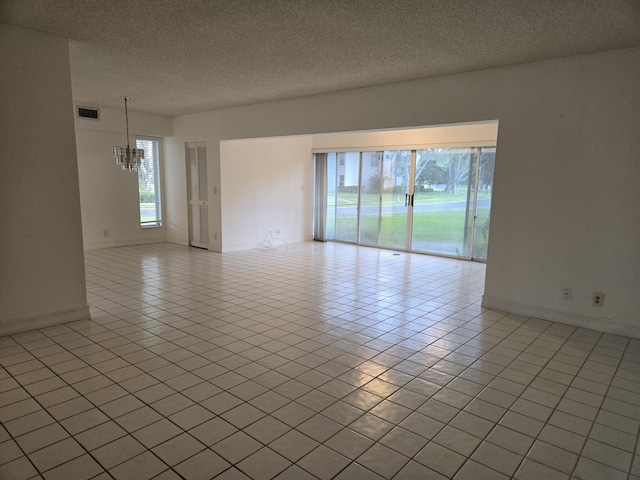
(177, 56)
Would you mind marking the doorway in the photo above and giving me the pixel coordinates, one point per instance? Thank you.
(198, 194)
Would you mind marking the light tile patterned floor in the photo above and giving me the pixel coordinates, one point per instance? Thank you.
(318, 361)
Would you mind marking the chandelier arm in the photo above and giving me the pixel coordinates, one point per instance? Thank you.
(128, 158)
(126, 116)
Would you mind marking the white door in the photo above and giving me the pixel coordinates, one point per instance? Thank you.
(198, 194)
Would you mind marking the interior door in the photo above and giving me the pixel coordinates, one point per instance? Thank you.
(198, 194)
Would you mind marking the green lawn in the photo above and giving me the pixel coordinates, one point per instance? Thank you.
(147, 218)
(437, 231)
(420, 198)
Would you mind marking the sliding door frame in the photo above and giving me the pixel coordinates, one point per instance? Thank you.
(469, 233)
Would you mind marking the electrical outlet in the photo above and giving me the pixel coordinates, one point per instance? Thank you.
(597, 299)
(566, 293)
(277, 231)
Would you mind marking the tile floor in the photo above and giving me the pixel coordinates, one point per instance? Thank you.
(320, 361)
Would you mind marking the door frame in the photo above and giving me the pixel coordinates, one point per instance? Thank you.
(196, 146)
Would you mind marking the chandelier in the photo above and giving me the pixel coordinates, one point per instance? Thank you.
(128, 158)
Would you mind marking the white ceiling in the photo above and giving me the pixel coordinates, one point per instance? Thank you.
(174, 57)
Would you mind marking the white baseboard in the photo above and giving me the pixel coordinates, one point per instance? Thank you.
(277, 243)
(178, 240)
(19, 325)
(601, 324)
(122, 243)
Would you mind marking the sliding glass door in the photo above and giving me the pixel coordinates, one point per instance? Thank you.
(396, 175)
(443, 201)
(482, 216)
(433, 200)
(384, 198)
(343, 182)
(370, 198)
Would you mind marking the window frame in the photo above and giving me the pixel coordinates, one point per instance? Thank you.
(157, 183)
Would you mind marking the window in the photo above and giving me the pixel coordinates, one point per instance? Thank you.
(434, 200)
(149, 183)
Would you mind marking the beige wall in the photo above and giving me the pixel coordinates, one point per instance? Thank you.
(268, 182)
(267, 188)
(109, 196)
(566, 196)
(201, 127)
(42, 277)
(468, 134)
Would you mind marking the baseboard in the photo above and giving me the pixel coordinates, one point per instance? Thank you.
(122, 243)
(601, 324)
(178, 240)
(19, 325)
(277, 243)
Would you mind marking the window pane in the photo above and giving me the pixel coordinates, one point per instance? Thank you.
(443, 200)
(483, 206)
(393, 221)
(332, 165)
(346, 196)
(370, 198)
(149, 184)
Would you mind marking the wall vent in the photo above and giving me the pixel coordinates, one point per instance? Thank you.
(90, 113)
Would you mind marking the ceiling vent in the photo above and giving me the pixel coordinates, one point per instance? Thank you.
(90, 113)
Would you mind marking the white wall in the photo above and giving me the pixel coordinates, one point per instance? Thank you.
(200, 127)
(109, 196)
(268, 183)
(42, 279)
(267, 188)
(565, 205)
(468, 134)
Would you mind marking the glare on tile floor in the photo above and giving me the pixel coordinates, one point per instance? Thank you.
(314, 361)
